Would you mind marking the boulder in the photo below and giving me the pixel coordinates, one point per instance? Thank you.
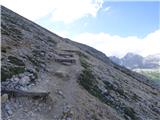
(24, 80)
(61, 74)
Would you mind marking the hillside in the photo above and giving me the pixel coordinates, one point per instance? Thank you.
(153, 74)
(47, 77)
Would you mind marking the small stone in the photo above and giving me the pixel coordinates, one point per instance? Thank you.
(8, 109)
(24, 81)
(12, 79)
(68, 118)
(158, 104)
(61, 74)
(43, 65)
(59, 92)
(16, 79)
(5, 83)
(17, 87)
(30, 70)
(23, 88)
(20, 106)
(156, 109)
(30, 86)
(42, 53)
(49, 107)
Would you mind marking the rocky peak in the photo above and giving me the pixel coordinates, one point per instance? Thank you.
(135, 61)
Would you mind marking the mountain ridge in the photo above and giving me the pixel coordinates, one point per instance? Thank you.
(133, 61)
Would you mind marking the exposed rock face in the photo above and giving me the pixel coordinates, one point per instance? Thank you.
(90, 87)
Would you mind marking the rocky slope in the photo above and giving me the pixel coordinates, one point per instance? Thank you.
(135, 61)
(47, 77)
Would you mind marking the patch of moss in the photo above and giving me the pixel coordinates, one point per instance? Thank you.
(82, 58)
(82, 55)
(110, 86)
(130, 112)
(89, 82)
(16, 70)
(49, 39)
(121, 91)
(84, 63)
(15, 61)
(5, 74)
(36, 62)
(86, 79)
(33, 61)
(8, 71)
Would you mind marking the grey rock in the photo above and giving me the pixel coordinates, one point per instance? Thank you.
(24, 81)
(8, 109)
(60, 92)
(23, 88)
(68, 118)
(5, 83)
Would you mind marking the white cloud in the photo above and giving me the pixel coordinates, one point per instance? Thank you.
(107, 9)
(119, 46)
(62, 10)
(71, 10)
(32, 9)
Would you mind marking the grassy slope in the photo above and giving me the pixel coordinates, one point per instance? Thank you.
(154, 74)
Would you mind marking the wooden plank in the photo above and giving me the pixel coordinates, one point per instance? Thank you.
(65, 60)
(65, 55)
(20, 93)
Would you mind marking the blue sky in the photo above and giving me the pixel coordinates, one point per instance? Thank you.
(121, 18)
(114, 28)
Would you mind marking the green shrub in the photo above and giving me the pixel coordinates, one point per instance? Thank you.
(8, 71)
(82, 55)
(5, 74)
(84, 63)
(130, 112)
(49, 39)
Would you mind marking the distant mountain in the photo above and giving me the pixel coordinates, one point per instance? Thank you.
(152, 61)
(135, 61)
